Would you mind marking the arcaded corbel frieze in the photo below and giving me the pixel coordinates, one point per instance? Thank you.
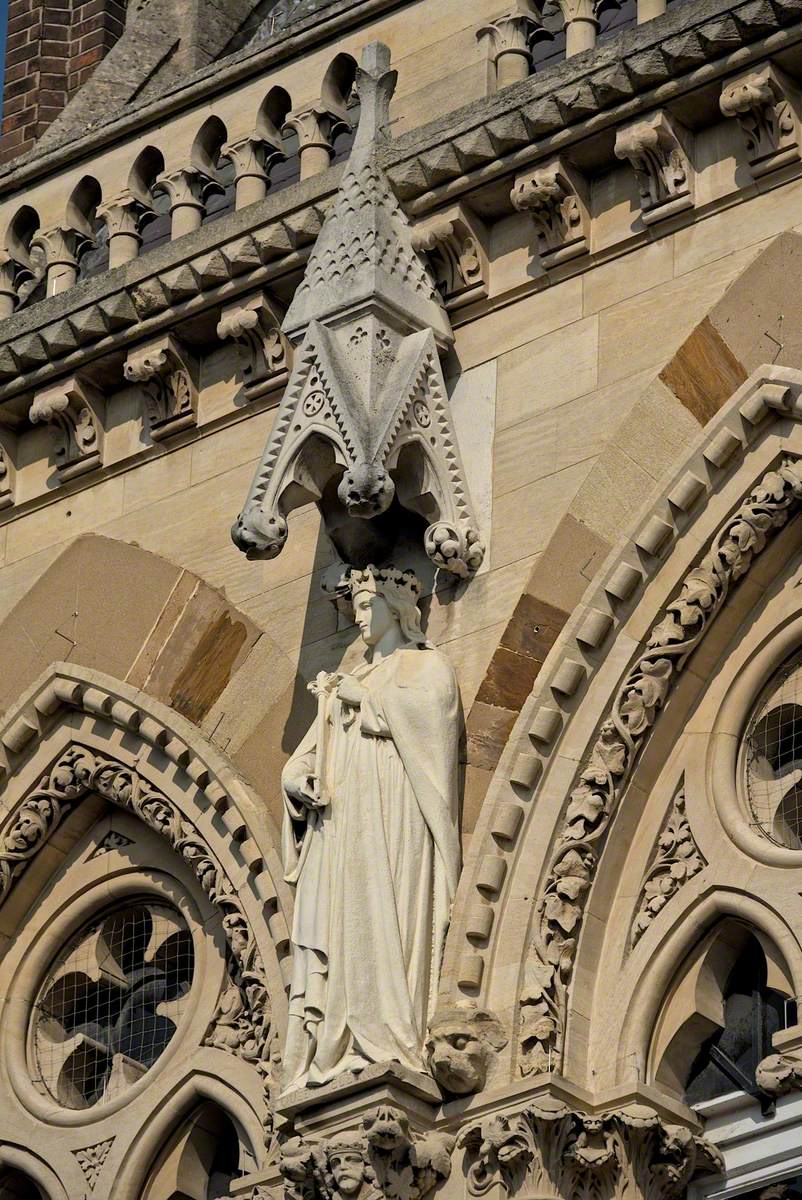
(676, 859)
(556, 196)
(767, 105)
(509, 41)
(74, 409)
(455, 243)
(252, 158)
(316, 127)
(169, 375)
(62, 248)
(124, 217)
(265, 355)
(657, 148)
(381, 1157)
(548, 1149)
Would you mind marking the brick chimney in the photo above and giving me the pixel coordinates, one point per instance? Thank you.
(51, 50)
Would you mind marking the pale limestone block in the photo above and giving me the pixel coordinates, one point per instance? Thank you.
(473, 410)
(527, 517)
(156, 479)
(647, 329)
(470, 657)
(17, 578)
(739, 226)
(65, 519)
(612, 493)
(186, 528)
(643, 268)
(615, 203)
(296, 612)
(123, 436)
(219, 386)
(717, 152)
(491, 597)
(547, 372)
(513, 257)
(256, 687)
(516, 324)
(307, 553)
(230, 447)
(33, 463)
(656, 429)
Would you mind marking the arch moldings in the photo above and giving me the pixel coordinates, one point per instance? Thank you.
(76, 733)
(577, 743)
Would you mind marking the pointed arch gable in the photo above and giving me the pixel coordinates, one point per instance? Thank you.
(77, 733)
(609, 655)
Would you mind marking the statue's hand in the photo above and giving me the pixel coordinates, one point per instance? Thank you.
(304, 791)
(350, 691)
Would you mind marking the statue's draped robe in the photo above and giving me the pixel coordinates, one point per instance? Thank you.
(375, 871)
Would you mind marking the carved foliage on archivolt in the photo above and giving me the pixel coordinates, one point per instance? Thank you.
(594, 799)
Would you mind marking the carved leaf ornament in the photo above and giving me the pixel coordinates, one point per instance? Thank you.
(244, 1009)
(677, 860)
(594, 798)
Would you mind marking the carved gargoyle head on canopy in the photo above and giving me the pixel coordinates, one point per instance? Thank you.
(364, 428)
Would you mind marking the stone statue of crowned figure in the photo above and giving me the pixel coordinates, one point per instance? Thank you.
(371, 843)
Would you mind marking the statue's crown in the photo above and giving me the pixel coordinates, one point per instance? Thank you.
(374, 578)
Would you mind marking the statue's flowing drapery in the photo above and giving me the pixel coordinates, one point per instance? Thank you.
(375, 871)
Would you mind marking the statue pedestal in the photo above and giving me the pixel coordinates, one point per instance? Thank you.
(341, 1105)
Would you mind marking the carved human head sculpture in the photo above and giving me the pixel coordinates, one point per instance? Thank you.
(345, 1165)
(381, 595)
(461, 1046)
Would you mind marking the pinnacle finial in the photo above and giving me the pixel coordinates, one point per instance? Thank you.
(375, 84)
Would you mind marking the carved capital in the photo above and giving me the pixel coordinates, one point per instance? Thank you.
(555, 195)
(61, 249)
(264, 352)
(513, 33)
(548, 1149)
(779, 1074)
(657, 149)
(74, 410)
(124, 215)
(316, 127)
(187, 187)
(169, 375)
(767, 105)
(252, 156)
(455, 243)
(13, 275)
(382, 1159)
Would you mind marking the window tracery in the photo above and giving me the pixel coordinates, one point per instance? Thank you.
(111, 1003)
(773, 759)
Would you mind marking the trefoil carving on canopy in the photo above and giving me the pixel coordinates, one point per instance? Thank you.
(364, 423)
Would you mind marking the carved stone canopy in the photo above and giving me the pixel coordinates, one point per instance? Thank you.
(364, 423)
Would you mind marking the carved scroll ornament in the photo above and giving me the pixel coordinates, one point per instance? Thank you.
(168, 374)
(656, 148)
(767, 106)
(593, 800)
(549, 1150)
(676, 860)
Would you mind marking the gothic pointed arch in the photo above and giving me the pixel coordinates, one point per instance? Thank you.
(78, 735)
(594, 776)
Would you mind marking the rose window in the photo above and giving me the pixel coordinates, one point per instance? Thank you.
(773, 759)
(111, 1004)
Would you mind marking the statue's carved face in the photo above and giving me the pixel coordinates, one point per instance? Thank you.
(374, 616)
(347, 1170)
(458, 1057)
